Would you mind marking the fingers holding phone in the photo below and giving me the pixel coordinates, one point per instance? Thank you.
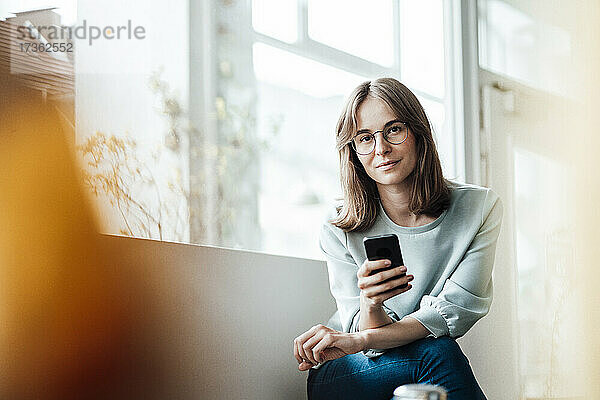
(383, 275)
(378, 281)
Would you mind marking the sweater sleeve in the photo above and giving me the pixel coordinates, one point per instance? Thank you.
(343, 281)
(467, 293)
(342, 269)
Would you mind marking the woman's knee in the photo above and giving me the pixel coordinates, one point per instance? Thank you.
(443, 351)
(443, 344)
(445, 364)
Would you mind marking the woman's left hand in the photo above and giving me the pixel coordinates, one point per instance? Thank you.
(320, 344)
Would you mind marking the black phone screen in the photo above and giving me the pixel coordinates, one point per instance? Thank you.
(384, 247)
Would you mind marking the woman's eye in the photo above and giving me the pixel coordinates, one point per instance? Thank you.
(364, 139)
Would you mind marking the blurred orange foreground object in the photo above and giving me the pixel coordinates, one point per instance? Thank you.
(73, 319)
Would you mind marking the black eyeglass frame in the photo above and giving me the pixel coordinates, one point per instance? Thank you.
(353, 145)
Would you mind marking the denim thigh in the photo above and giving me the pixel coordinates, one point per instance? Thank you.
(429, 360)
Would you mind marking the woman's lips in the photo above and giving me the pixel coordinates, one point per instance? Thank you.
(388, 166)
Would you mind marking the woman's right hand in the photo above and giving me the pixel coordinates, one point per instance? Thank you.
(377, 285)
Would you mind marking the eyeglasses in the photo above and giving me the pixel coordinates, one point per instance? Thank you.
(395, 132)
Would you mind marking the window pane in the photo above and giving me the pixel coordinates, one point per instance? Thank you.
(444, 140)
(276, 18)
(436, 114)
(520, 46)
(422, 45)
(285, 69)
(140, 179)
(296, 113)
(365, 29)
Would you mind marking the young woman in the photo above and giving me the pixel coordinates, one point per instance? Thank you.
(392, 183)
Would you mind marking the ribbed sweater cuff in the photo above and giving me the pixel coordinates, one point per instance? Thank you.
(432, 320)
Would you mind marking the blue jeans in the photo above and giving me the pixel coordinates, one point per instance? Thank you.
(433, 361)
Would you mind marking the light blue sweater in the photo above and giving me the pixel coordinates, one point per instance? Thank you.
(451, 259)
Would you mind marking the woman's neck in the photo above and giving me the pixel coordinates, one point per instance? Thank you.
(395, 200)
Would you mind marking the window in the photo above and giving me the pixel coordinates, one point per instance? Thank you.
(302, 78)
(364, 29)
(235, 110)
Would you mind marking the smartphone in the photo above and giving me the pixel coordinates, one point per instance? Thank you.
(384, 247)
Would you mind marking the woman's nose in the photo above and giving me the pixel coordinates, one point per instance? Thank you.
(381, 145)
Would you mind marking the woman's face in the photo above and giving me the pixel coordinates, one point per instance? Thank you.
(372, 115)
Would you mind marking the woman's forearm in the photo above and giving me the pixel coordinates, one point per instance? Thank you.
(370, 319)
(405, 331)
(372, 316)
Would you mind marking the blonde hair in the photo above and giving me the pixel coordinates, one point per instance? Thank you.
(430, 192)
